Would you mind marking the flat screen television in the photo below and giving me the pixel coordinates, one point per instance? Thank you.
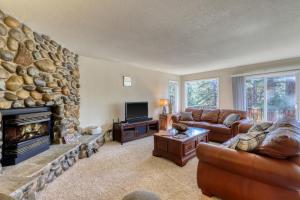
(135, 111)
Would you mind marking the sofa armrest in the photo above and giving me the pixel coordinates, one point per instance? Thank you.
(235, 128)
(175, 118)
(245, 125)
(278, 172)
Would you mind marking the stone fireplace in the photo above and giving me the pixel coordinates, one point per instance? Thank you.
(36, 72)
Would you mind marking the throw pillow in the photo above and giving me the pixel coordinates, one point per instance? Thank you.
(186, 116)
(230, 119)
(263, 126)
(246, 142)
(250, 141)
(282, 143)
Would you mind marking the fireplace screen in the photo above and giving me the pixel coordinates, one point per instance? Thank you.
(25, 135)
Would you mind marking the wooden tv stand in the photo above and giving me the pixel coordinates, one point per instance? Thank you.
(125, 132)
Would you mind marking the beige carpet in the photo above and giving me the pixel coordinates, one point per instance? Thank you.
(117, 170)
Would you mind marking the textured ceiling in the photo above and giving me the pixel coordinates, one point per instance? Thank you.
(176, 36)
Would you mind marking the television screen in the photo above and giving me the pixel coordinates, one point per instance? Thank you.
(135, 110)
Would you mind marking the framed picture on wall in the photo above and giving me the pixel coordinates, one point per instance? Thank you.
(126, 81)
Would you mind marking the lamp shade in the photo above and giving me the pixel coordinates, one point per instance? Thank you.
(163, 102)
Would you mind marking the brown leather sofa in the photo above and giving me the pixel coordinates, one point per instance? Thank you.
(213, 121)
(235, 175)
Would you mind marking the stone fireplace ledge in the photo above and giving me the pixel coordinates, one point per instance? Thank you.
(24, 180)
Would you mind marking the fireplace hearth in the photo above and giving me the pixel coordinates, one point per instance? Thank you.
(26, 133)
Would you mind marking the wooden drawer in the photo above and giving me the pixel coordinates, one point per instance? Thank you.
(201, 139)
(129, 135)
(189, 147)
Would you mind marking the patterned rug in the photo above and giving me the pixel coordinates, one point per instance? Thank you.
(117, 170)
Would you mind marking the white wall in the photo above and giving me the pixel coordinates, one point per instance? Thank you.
(103, 96)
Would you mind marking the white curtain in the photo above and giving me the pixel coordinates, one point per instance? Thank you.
(238, 90)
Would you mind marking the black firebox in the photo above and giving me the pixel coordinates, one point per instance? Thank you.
(26, 133)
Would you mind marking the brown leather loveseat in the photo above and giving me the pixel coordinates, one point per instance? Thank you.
(213, 121)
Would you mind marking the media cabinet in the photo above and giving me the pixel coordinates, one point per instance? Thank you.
(125, 132)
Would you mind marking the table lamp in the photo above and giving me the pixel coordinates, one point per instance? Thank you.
(164, 103)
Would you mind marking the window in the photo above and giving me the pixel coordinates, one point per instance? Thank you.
(271, 97)
(202, 93)
(173, 91)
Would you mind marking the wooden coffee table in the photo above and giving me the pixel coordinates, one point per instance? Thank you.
(179, 150)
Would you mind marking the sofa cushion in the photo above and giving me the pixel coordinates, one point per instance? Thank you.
(225, 112)
(186, 116)
(196, 113)
(282, 143)
(230, 119)
(210, 115)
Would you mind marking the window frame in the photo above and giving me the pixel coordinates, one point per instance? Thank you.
(295, 73)
(177, 98)
(196, 80)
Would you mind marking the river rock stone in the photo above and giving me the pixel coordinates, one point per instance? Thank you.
(6, 55)
(53, 57)
(29, 87)
(12, 44)
(52, 84)
(4, 74)
(66, 91)
(39, 82)
(46, 37)
(2, 43)
(44, 89)
(21, 71)
(47, 97)
(33, 71)
(18, 104)
(36, 95)
(58, 76)
(40, 103)
(23, 56)
(29, 102)
(45, 65)
(11, 22)
(56, 89)
(37, 37)
(3, 30)
(27, 31)
(9, 67)
(45, 47)
(10, 96)
(30, 45)
(49, 103)
(44, 53)
(28, 80)
(14, 83)
(23, 94)
(2, 85)
(16, 34)
(37, 55)
(4, 104)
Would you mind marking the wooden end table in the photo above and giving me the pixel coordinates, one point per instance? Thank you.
(177, 150)
(165, 121)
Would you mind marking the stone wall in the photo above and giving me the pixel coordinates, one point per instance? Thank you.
(36, 71)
